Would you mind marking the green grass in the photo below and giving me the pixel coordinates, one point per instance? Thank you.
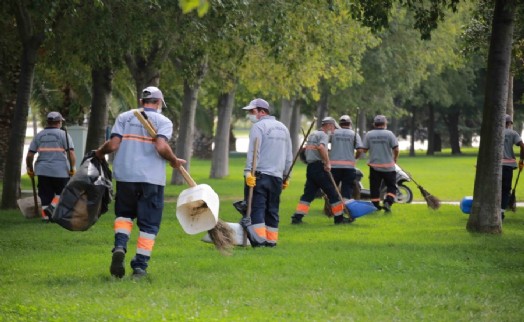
(413, 265)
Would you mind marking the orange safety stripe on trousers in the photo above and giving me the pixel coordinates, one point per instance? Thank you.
(272, 234)
(261, 231)
(375, 199)
(337, 208)
(302, 208)
(123, 225)
(145, 243)
(391, 195)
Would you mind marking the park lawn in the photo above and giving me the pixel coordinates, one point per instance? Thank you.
(413, 265)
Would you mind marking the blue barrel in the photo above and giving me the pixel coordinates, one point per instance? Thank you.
(465, 204)
(359, 208)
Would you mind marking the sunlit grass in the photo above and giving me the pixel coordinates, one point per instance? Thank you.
(413, 265)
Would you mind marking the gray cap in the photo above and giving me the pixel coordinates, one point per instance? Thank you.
(330, 120)
(257, 102)
(380, 119)
(509, 118)
(154, 93)
(55, 117)
(345, 119)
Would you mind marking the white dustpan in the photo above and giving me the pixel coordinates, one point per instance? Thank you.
(197, 207)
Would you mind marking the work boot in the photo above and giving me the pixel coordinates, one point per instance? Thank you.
(343, 220)
(139, 272)
(387, 207)
(117, 267)
(296, 219)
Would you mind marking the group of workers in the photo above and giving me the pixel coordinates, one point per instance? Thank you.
(139, 170)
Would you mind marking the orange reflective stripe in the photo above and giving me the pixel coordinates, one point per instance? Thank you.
(145, 243)
(261, 231)
(391, 194)
(509, 160)
(123, 225)
(382, 165)
(139, 138)
(272, 234)
(50, 150)
(302, 208)
(375, 199)
(342, 162)
(55, 200)
(338, 207)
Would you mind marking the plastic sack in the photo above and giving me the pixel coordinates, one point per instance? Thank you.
(86, 196)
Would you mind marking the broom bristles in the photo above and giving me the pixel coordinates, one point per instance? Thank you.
(432, 201)
(223, 237)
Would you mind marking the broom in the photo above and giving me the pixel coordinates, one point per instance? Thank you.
(432, 201)
(250, 192)
(221, 235)
(512, 199)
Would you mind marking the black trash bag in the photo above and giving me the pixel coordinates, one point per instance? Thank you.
(86, 196)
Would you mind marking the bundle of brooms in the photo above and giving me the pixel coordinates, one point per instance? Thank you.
(221, 234)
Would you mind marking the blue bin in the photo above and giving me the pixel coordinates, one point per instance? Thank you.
(359, 208)
(465, 204)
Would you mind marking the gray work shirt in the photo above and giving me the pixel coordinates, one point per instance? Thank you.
(380, 144)
(274, 147)
(511, 137)
(342, 148)
(51, 146)
(314, 141)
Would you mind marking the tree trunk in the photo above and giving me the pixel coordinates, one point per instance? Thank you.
(509, 104)
(452, 121)
(286, 111)
(102, 87)
(412, 132)
(220, 160)
(15, 152)
(485, 212)
(323, 103)
(184, 142)
(8, 99)
(294, 128)
(431, 130)
(362, 124)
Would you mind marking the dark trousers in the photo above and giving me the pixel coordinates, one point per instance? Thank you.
(347, 177)
(143, 202)
(318, 178)
(266, 200)
(375, 181)
(48, 187)
(507, 178)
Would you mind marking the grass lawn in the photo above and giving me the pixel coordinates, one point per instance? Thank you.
(412, 265)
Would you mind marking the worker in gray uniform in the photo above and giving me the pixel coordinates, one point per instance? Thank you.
(317, 174)
(509, 162)
(274, 158)
(344, 143)
(382, 145)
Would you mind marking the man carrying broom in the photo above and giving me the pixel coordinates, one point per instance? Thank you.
(509, 163)
(273, 158)
(383, 150)
(139, 168)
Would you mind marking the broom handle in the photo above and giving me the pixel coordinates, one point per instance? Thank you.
(409, 175)
(34, 195)
(186, 176)
(300, 147)
(517, 181)
(346, 210)
(250, 193)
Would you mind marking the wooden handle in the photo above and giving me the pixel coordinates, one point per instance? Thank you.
(147, 125)
(186, 176)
